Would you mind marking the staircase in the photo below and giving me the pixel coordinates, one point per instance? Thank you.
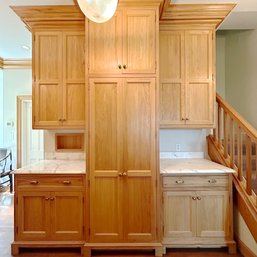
(234, 144)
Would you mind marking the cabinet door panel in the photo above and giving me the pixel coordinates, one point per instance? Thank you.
(199, 103)
(33, 216)
(67, 216)
(47, 103)
(139, 215)
(212, 213)
(179, 214)
(139, 47)
(139, 158)
(105, 160)
(105, 46)
(171, 103)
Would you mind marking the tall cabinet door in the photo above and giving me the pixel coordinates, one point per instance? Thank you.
(172, 78)
(139, 41)
(74, 78)
(139, 159)
(105, 160)
(47, 85)
(199, 74)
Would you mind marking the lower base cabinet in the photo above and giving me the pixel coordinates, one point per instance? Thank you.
(48, 211)
(197, 211)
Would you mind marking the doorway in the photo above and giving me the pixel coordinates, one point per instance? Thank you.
(30, 142)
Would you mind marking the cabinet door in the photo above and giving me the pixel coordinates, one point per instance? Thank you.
(139, 145)
(139, 41)
(179, 210)
(199, 83)
(105, 46)
(212, 214)
(33, 218)
(47, 85)
(67, 216)
(105, 160)
(172, 78)
(73, 112)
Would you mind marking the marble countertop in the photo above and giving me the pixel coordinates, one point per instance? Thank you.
(54, 167)
(192, 166)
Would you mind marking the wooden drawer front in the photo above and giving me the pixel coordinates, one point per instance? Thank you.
(38, 181)
(191, 181)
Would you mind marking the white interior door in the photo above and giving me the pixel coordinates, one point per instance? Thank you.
(32, 143)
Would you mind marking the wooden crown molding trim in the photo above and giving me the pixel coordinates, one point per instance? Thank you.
(1, 63)
(15, 63)
(49, 15)
(195, 12)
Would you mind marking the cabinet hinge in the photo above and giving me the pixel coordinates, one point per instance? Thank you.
(16, 200)
(34, 78)
(34, 37)
(212, 77)
(155, 65)
(88, 183)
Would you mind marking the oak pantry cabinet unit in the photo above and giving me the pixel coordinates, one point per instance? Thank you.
(123, 129)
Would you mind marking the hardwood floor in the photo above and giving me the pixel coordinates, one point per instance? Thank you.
(6, 238)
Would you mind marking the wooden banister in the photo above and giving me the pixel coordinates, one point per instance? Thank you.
(234, 144)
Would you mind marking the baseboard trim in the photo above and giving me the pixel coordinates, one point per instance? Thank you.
(244, 249)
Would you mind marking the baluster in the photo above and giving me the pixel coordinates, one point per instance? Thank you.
(219, 125)
(225, 134)
(232, 146)
(239, 153)
(248, 165)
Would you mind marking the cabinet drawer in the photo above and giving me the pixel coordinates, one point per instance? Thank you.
(199, 181)
(41, 181)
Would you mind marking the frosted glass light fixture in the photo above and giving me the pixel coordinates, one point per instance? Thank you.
(98, 10)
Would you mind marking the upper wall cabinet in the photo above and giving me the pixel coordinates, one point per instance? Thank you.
(187, 87)
(59, 79)
(124, 45)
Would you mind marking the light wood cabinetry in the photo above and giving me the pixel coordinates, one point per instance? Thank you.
(124, 45)
(187, 68)
(197, 211)
(58, 79)
(123, 161)
(48, 209)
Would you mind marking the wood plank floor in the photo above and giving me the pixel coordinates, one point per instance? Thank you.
(6, 238)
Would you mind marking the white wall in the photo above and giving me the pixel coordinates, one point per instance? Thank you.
(220, 63)
(1, 109)
(15, 82)
(241, 73)
(191, 140)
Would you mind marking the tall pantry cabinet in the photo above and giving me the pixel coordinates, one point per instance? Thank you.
(123, 132)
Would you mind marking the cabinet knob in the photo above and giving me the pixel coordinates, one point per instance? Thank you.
(199, 198)
(183, 119)
(47, 198)
(34, 182)
(120, 174)
(60, 119)
(180, 181)
(194, 198)
(212, 181)
(187, 118)
(66, 182)
(124, 67)
(51, 198)
(124, 174)
(119, 66)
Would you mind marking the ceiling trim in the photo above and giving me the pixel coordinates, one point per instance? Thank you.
(15, 63)
(175, 13)
(53, 16)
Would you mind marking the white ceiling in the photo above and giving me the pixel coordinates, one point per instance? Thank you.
(14, 34)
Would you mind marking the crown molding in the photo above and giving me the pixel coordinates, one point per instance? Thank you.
(212, 14)
(15, 63)
(50, 16)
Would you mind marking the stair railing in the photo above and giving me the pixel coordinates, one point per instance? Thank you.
(236, 140)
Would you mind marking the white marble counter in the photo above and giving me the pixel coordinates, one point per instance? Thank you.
(54, 167)
(191, 166)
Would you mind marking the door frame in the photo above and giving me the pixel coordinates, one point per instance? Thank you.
(20, 100)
